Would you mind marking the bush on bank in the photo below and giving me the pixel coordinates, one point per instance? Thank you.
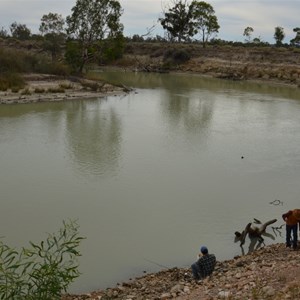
(44, 270)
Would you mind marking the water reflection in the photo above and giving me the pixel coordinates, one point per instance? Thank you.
(93, 135)
(187, 110)
(175, 147)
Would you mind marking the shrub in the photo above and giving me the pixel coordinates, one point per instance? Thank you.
(11, 80)
(26, 92)
(66, 86)
(39, 90)
(176, 56)
(43, 271)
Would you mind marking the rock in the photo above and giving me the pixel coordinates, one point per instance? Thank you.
(224, 294)
(176, 289)
(165, 296)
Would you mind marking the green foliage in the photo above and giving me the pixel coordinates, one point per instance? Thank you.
(279, 35)
(3, 33)
(42, 271)
(52, 29)
(17, 61)
(52, 23)
(92, 21)
(174, 57)
(178, 22)
(20, 31)
(113, 48)
(247, 33)
(73, 55)
(296, 41)
(205, 20)
(10, 80)
(184, 20)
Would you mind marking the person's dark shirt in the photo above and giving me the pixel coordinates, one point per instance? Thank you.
(206, 264)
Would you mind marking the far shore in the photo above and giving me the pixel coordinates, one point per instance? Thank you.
(51, 88)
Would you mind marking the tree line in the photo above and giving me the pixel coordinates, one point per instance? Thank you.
(93, 31)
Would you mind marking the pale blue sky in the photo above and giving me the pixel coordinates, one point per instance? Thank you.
(233, 15)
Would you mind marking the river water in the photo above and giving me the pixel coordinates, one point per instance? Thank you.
(182, 161)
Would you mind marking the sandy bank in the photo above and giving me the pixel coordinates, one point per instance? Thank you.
(49, 88)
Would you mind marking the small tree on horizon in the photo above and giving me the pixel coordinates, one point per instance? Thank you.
(279, 35)
(248, 33)
(296, 41)
(20, 31)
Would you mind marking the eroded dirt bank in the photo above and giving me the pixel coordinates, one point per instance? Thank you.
(268, 64)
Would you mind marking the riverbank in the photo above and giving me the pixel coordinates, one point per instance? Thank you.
(271, 272)
(276, 65)
(50, 88)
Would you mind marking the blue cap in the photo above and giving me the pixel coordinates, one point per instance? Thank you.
(204, 249)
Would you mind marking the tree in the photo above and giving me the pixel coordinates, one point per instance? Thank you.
(279, 35)
(184, 20)
(52, 23)
(20, 31)
(247, 33)
(205, 20)
(3, 33)
(52, 29)
(178, 21)
(296, 41)
(91, 22)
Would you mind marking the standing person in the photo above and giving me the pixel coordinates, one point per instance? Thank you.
(205, 264)
(291, 218)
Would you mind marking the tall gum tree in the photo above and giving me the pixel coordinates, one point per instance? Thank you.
(205, 20)
(177, 21)
(52, 30)
(185, 19)
(91, 22)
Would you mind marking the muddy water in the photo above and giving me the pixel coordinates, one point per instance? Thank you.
(152, 175)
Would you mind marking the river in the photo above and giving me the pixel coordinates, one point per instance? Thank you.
(182, 161)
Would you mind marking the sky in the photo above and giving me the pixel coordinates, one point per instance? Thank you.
(140, 15)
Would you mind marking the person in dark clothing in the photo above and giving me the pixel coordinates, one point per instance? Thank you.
(291, 218)
(205, 265)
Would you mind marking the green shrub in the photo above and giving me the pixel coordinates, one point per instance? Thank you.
(43, 271)
(10, 80)
(176, 56)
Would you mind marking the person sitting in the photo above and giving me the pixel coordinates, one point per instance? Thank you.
(205, 265)
(291, 218)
